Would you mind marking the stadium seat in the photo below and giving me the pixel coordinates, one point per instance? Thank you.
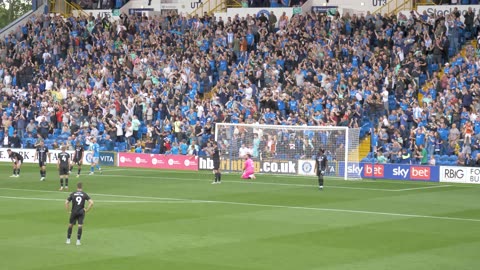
(122, 147)
(453, 158)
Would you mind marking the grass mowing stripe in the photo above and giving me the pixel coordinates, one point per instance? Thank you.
(351, 211)
(99, 201)
(246, 182)
(97, 194)
(279, 184)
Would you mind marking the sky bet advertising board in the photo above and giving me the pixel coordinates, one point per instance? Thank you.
(392, 171)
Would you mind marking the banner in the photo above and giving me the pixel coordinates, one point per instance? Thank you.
(307, 167)
(232, 165)
(105, 159)
(443, 10)
(29, 155)
(156, 161)
(461, 175)
(392, 171)
(330, 10)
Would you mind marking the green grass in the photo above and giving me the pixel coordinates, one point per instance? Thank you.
(148, 219)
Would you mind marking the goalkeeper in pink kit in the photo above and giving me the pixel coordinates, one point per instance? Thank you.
(248, 169)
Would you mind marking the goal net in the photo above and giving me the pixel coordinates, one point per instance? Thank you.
(289, 149)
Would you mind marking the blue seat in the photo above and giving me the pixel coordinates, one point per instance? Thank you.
(422, 79)
(451, 52)
(441, 163)
(451, 163)
(453, 158)
(122, 147)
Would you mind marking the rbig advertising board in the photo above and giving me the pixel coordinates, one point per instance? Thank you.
(461, 175)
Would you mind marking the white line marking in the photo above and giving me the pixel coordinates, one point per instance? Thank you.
(100, 201)
(245, 182)
(418, 188)
(97, 194)
(351, 211)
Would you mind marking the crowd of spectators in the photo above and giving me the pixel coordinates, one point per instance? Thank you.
(159, 84)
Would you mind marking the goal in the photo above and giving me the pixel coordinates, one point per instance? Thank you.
(280, 149)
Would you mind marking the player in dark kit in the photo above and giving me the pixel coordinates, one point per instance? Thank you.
(63, 163)
(77, 214)
(320, 166)
(216, 164)
(17, 162)
(77, 158)
(41, 156)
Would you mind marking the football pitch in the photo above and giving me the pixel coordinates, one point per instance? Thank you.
(150, 219)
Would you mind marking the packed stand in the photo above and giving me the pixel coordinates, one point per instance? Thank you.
(160, 84)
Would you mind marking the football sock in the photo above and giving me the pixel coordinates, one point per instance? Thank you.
(219, 176)
(91, 169)
(61, 182)
(79, 171)
(69, 233)
(79, 233)
(18, 171)
(66, 182)
(71, 168)
(98, 167)
(41, 173)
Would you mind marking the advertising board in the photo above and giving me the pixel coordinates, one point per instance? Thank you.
(156, 161)
(461, 175)
(29, 155)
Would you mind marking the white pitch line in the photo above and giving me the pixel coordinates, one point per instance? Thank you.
(99, 201)
(246, 182)
(97, 194)
(419, 188)
(338, 210)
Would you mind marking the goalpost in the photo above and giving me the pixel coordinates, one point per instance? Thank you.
(290, 150)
